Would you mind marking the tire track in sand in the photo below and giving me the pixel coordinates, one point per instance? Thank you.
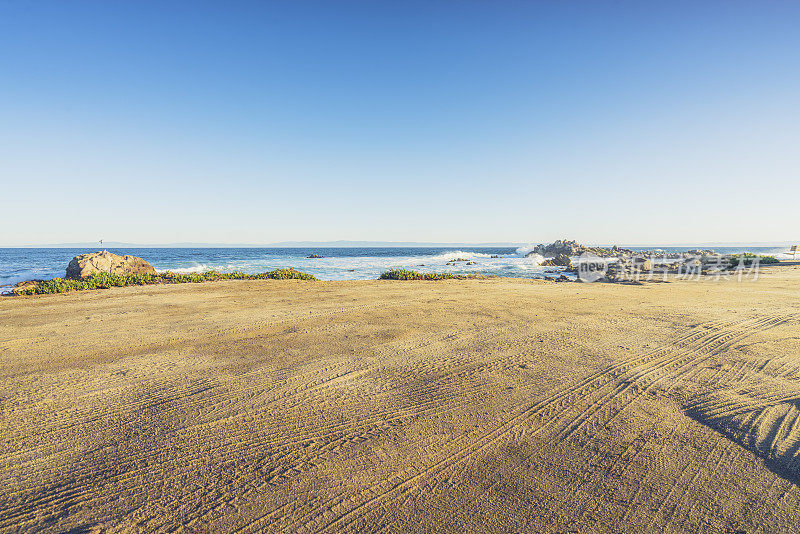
(388, 489)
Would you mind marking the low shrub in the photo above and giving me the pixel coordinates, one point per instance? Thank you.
(106, 280)
(406, 274)
(748, 258)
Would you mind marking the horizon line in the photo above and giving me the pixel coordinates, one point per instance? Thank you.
(342, 243)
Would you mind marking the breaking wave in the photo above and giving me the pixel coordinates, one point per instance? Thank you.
(536, 259)
(195, 268)
(457, 254)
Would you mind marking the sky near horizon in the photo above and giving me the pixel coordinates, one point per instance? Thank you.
(468, 121)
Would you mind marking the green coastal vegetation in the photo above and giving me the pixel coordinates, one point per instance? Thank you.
(107, 280)
(406, 274)
(748, 258)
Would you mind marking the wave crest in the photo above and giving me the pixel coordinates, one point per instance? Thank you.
(196, 268)
(456, 254)
(535, 259)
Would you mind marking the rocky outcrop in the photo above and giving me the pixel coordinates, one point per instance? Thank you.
(562, 278)
(700, 252)
(561, 246)
(561, 260)
(629, 270)
(21, 287)
(106, 262)
(573, 248)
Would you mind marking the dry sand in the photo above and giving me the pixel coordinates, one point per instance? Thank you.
(480, 405)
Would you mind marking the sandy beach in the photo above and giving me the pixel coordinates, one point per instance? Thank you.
(468, 405)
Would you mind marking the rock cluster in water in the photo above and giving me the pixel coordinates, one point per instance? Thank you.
(573, 248)
(561, 260)
(617, 264)
(467, 262)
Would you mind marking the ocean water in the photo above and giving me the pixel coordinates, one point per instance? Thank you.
(19, 264)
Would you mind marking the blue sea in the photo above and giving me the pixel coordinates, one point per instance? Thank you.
(19, 264)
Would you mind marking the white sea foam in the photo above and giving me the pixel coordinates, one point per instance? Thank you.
(456, 254)
(193, 268)
(784, 254)
(536, 259)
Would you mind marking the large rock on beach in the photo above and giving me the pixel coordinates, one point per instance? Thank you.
(106, 262)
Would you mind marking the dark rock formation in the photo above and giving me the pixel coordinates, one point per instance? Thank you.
(562, 260)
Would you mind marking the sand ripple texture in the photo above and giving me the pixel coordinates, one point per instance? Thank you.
(381, 406)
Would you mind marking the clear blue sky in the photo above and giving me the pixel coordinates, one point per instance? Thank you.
(466, 121)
